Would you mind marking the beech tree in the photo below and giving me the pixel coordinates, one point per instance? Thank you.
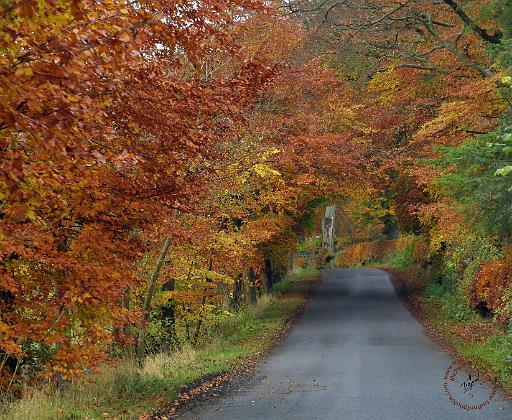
(106, 118)
(219, 127)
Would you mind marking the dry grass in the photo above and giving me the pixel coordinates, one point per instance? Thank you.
(34, 401)
(101, 389)
(158, 365)
(125, 390)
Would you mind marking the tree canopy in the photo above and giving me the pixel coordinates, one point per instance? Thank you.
(224, 126)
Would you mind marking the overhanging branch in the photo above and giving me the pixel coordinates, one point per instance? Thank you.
(482, 33)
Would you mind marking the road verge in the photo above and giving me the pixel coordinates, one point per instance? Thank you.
(474, 342)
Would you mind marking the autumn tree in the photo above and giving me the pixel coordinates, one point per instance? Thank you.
(108, 116)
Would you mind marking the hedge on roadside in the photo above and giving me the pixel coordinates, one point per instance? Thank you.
(491, 288)
(369, 252)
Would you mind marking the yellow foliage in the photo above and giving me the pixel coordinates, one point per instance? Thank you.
(386, 84)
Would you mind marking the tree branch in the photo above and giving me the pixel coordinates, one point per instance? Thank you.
(427, 22)
(482, 33)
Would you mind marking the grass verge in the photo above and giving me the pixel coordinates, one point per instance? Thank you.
(126, 391)
(481, 342)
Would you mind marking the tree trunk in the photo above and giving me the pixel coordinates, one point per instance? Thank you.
(252, 285)
(149, 296)
(291, 263)
(277, 272)
(168, 318)
(236, 298)
(269, 278)
(328, 229)
(203, 302)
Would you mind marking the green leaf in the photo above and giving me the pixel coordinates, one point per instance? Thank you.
(507, 137)
(506, 170)
(31, 215)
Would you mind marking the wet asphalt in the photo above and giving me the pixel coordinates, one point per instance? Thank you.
(356, 353)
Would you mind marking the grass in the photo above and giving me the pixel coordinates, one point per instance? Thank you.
(126, 391)
(452, 303)
(481, 341)
(496, 352)
(401, 260)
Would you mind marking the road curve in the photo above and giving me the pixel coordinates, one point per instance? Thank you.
(356, 353)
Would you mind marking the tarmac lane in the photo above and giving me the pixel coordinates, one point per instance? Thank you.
(356, 353)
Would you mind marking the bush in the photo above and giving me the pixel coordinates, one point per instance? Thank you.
(402, 255)
(420, 250)
(463, 260)
(356, 255)
(491, 288)
(454, 305)
(399, 253)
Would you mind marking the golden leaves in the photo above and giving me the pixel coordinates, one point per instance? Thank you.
(387, 85)
(125, 37)
(265, 171)
(23, 71)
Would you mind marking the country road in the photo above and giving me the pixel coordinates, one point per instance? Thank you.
(356, 353)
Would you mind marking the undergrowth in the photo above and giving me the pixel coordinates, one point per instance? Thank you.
(125, 390)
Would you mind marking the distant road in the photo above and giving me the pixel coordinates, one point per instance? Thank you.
(356, 353)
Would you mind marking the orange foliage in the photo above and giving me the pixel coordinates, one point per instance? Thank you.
(367, 252)
(420, 250)
(488, 290)
(110, 120)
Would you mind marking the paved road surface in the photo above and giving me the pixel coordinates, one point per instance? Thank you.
(356, 353)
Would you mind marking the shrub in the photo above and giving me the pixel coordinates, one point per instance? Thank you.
(357, 254)
(463, 260)
(378, 252)
(402, 255)
(453, 304)
(419, 250)
(490, 290)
